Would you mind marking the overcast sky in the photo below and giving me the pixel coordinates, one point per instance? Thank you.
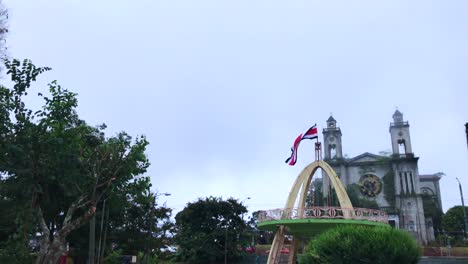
(222, 88)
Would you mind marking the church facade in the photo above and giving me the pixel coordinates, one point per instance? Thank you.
(393, 181)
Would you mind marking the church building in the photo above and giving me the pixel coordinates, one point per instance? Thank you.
(392, 181)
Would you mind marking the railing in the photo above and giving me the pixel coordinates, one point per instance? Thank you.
(324, 213)
(402, 156)
(402, 123)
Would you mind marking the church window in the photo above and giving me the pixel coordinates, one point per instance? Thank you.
(401, 183)
(427, 191)
(401, 146)
(406, 182)
(333, 151)
(411, 178)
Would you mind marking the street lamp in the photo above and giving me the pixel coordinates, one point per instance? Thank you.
(463, 206)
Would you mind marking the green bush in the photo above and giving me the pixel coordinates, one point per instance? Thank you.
(115, 257)
(357, 244)
(15, 251)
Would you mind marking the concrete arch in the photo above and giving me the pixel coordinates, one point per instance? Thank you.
(302, 184)
(304, 180)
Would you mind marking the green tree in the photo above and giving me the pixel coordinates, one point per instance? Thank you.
(137, 223)
(433, 210)
(210, 229)
(315, 194)
(130, 219)
(255, 235)
(54, 165)
(357, 244)
(3, 29)
(452, 221)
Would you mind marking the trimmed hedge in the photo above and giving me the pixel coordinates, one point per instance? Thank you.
(358, 244)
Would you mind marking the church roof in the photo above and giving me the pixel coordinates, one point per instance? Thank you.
(364, 157)
(331, 119)
(397, 113)
(430, 177)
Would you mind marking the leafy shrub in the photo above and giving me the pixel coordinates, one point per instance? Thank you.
(357, 244)
(115, 257)
(147, 258)
(15, 251)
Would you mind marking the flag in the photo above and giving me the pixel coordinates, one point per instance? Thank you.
(311, 133)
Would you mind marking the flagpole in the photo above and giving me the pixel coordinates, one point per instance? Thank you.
(320, 147)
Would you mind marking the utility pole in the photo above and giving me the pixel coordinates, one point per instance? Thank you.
(463, 206)
(225, 244)
(466, 131)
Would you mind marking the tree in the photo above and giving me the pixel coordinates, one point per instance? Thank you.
(262, 237)
(13, 248)
(315, 194)
(433, 210)
(209, 230)
(56, 166)
(389, 188)
(129, 220)
(453, 222)
(3, 29)
(136, 221)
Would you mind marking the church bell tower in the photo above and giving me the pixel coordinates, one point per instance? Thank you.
(408, 198)
(332, 140)
(399, 131)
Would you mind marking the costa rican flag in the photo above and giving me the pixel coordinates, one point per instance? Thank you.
(311, 133)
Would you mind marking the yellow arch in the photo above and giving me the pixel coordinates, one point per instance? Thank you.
(302, 183)
(304, 179)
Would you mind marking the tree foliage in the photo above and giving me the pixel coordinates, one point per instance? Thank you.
(433, 210)
(315, 194)
(389, 187)
(453, 221)
(356, 244)
(54, 166)
(137, 222)
(3, 29)
(208, 228)
(258, 236)
(129, 220)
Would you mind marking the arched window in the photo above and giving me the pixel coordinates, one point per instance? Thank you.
(333, 151)
(427, 191)
(401, 146)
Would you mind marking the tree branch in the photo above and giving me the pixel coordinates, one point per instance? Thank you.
(42, 223)
(66, 229)
(78, 204)
(108, 182)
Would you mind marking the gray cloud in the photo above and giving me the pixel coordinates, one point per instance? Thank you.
(222, 89)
